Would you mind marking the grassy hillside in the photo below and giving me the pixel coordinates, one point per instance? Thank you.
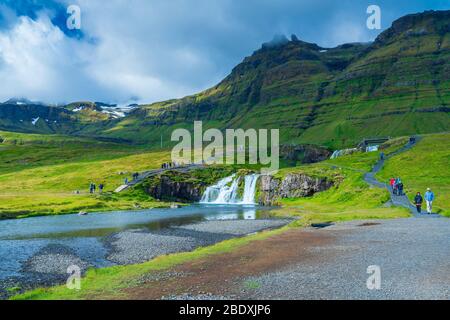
(39, 174)
(351, 197)
(426, 165)
(395, 86)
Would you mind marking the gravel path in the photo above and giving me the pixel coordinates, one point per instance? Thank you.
(400, 201)
(413, 256)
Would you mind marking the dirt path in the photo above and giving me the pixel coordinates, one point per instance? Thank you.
(221, 274)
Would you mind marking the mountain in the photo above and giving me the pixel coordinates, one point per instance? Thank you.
(27, 116)
(397, 85)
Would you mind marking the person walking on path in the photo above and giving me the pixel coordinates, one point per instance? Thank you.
(418, 200)
(391, 183)
(100, 187)
(395, 187)
(397, 183)
(429, 198)
(400, 188)
(91, 187)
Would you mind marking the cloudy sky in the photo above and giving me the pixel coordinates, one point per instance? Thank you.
(151, 50)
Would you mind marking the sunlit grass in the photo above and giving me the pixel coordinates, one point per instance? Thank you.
(45, 174)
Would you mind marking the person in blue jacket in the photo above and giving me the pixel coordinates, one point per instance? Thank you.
(429, 198)
(418, 200)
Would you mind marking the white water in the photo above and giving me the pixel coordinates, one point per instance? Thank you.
(226, 191)
(343, 152)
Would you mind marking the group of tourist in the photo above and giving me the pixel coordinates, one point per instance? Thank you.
(135, 177)
(397, 189)
(429, 198)
(397, 186)
(170, 165)
(93, 187)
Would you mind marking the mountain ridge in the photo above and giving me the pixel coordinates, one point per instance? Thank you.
(330, 96)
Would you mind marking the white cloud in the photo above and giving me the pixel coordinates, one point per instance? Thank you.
(158, 49)
(38, 61)
(130, 56)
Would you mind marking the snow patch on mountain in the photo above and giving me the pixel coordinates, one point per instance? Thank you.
(117, 112)
(78, 109)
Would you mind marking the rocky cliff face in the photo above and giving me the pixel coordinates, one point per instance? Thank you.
(306, 153)
(181, 191)
(184, 186)
(189, 187)
(271, 189)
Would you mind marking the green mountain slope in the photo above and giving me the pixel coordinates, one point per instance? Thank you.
(398, 85)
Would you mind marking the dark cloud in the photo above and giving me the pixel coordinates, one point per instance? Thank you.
(159, 49)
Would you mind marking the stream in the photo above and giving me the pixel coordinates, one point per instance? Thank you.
(37, 251)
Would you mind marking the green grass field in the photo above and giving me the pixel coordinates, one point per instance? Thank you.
(39, 174)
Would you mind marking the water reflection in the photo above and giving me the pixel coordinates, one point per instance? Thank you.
(250, 214)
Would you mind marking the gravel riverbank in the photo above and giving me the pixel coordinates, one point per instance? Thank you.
(48, 266)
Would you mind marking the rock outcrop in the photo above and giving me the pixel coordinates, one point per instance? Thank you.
(304, 153)
(184, 186)
(272, 189)
(189, 187)
(168, 189)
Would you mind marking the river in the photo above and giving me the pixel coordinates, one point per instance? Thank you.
(37, 251)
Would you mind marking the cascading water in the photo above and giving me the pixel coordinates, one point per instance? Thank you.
(250, 189)
(226, 191)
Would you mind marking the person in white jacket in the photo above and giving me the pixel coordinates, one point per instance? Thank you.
(429, 197)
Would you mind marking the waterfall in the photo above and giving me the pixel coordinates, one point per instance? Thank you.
(343, 152)
(336, 154)
(226, 191)
(250, 189)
